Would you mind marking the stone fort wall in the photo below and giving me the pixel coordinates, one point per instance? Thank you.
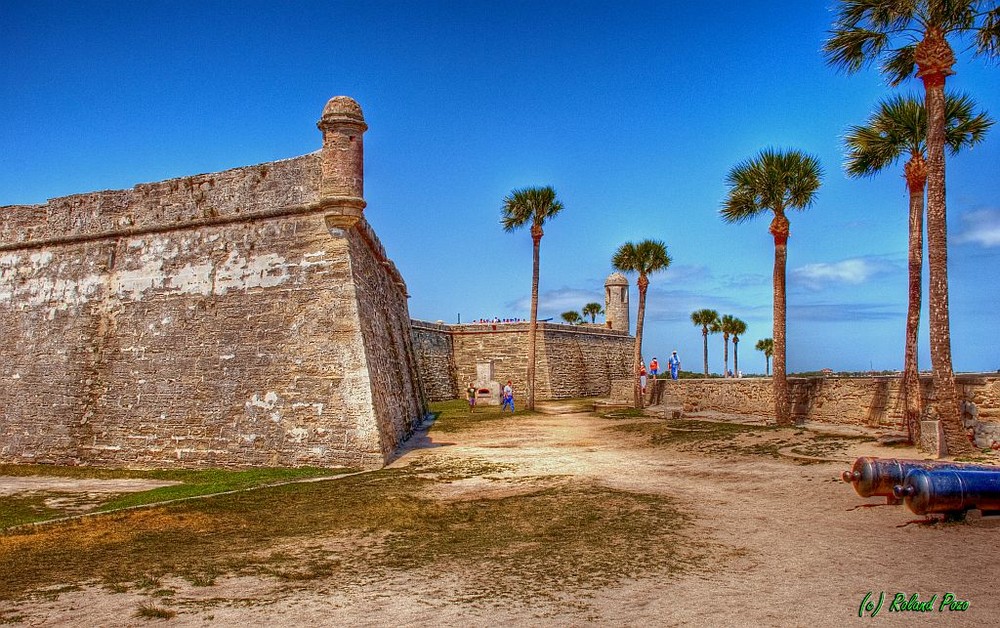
(573, 360)
(242, 318)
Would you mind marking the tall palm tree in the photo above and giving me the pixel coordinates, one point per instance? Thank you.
(897, 128)
(645, 258)
(592, 310)
(903, 36)
(766, 345)
(534, 205)
(737, 328)
(774, 181)
(709, 322)
(572, 317)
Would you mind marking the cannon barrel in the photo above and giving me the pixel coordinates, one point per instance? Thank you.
(879, 476)
(950, 490)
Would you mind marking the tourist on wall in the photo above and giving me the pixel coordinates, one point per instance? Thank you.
(674, 364)
(654, 367)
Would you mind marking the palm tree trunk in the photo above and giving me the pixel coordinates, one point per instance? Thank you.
(916, 178)
(725, 355)
(767, 366)
(704, 335)
(643, 285)
(536, 237)
(782, 406)
(736, 355)
(945, 394)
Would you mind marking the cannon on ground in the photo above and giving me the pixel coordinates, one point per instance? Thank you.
(951, 491)
(877, 477)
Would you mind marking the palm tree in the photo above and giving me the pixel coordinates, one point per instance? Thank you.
(572, 317)
(766, 345)
(534, 205)
(645, 258)
(709, 322)
(737, 328)
(774, 181)
(900, 127)
(887, 32)
(592, 310)
(729, 325)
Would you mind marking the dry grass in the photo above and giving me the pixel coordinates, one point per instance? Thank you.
(520, 546)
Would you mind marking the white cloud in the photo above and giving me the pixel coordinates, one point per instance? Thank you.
(980, 227)
(853, 271)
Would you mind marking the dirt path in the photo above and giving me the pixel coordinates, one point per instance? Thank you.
(786, 545)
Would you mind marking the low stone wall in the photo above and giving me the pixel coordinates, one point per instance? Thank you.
(573, 360)
(867, 401)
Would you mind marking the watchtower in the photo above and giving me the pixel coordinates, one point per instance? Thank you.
(342, 187)
(616, 302)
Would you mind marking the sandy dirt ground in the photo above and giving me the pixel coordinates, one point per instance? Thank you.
(790, 547)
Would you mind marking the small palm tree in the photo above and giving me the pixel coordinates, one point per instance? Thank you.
(774, 181)
(572, 317)
(737, 328)
(592, 310)
(910, 39)
(897, 128)
(535, 206)
(645, 258)
(766, 345)
(726, 327)
(709, 322)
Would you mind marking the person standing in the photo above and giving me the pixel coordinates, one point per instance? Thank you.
(674, 364)
(654, 367)
(470, 393)
(508, 397)
(642, 379)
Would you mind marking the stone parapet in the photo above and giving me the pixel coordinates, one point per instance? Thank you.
(187, 202)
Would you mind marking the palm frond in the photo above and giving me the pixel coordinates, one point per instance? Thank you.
(774, 180)
(988, 34)
(644, 258)
(898, 126)
(963, 127)
(899, 65)
(854, 49)
(529, 205)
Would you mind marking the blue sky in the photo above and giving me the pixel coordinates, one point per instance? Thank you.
(633, 111)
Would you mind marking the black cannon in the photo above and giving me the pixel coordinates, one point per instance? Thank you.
(879, 476)
(951, 491)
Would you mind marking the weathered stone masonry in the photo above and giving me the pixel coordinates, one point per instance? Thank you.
(869, 401)
(573, 361)
(242, 318)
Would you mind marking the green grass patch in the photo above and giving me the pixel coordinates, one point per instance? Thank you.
(31, 507)
(535, 543)
(454, 416)
(20, 509)
(213, 481)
